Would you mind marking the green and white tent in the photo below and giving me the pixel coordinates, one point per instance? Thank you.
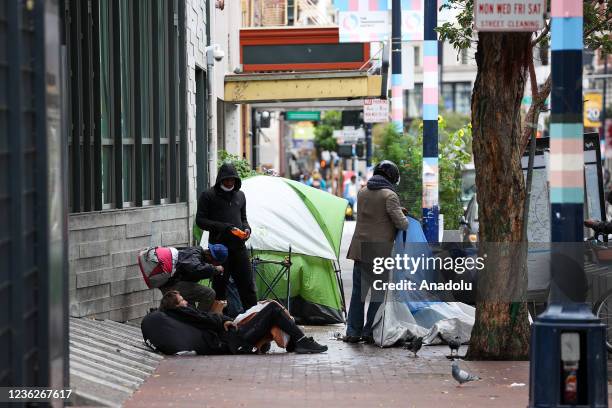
(285, 213)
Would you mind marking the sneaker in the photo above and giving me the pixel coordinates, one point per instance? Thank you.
(351, 339)
(368, 339)
(264, 348)
(307, 345)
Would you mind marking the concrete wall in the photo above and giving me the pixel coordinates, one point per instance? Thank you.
(105, 280)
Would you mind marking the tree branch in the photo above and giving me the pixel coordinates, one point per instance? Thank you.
(531, 119)
(542, 34)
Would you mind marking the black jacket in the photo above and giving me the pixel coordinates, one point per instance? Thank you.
(191, 266)
(604, 227)
(219, 211)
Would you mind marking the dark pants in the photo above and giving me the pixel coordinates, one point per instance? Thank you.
(238, 266)
(261, 324)
(362, 283)
(197, 295)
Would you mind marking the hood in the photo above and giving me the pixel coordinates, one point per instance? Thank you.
(227, 171)
(378, 182)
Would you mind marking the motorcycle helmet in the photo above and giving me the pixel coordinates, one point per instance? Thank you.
(388, 170)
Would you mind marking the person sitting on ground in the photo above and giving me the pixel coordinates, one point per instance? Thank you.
(222, 336)
(193, 265)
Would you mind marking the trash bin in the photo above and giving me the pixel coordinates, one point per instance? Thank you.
(568, 359)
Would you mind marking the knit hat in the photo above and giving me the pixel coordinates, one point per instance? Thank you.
(218, 252)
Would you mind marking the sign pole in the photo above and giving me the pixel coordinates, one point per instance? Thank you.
(397, 91)
(430, 123)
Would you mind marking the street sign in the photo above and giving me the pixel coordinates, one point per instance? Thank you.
(364, 26)
(351, 134)
(375, 110)
(303, 115)
(509, 15)
(593, 104)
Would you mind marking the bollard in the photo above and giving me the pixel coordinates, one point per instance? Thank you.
(568, 359)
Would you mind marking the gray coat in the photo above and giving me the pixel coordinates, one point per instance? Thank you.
(379, 216)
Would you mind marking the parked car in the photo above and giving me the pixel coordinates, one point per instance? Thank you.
(468, 228)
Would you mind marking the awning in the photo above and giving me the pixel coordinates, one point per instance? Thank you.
(302, 86)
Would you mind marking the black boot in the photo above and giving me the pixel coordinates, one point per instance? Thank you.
(307, 345)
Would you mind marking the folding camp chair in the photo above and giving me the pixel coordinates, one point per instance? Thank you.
(338, 272)
(284, 269)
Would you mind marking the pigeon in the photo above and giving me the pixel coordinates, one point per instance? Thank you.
(415, 345)
(454, 344)
(462, 376)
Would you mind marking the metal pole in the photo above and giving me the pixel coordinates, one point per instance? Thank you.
(397, 91)
(567, 341)
(430, 123)
(254, 138)
(368, 144)
(566, 145)
(603, 108)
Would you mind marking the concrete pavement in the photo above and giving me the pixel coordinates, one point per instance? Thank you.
(345, 376)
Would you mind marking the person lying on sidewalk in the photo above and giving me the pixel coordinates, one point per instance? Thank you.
(223, 336)
(193, 265)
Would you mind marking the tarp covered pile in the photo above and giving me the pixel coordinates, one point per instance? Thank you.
(406, 314)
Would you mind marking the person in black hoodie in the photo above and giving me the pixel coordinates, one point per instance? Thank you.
(222, 212)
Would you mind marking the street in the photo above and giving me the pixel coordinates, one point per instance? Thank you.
(346, 376)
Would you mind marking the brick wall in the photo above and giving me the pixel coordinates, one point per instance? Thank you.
(105, 280)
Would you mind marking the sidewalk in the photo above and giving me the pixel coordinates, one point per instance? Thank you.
(345, 376)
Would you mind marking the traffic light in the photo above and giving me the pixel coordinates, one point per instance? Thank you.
(345, 150)
(352, 118)
(360, 150)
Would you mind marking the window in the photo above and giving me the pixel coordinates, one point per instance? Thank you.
(126, 104)
(414, 99)
(146, 96)
(464, 57)
(105, 105)
(457, 96)
(448, 95)
(137, 57)
(463, 96)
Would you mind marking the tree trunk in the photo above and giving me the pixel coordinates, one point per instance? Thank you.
(501, 330)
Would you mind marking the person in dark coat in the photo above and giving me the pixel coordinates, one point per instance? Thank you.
(193, 265)
(221, 336)
(222, 212)
(379, 218)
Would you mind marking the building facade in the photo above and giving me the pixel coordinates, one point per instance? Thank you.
(145, 108)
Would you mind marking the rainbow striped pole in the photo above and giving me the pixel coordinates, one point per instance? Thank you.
(397, 88)
(566, 165)
(430, 123)
(567, 339)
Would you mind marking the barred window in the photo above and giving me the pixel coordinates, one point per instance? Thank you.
(128, 117)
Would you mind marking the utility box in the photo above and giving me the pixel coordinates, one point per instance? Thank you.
(568, 359)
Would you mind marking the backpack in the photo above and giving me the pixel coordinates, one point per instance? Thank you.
(157, 265)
